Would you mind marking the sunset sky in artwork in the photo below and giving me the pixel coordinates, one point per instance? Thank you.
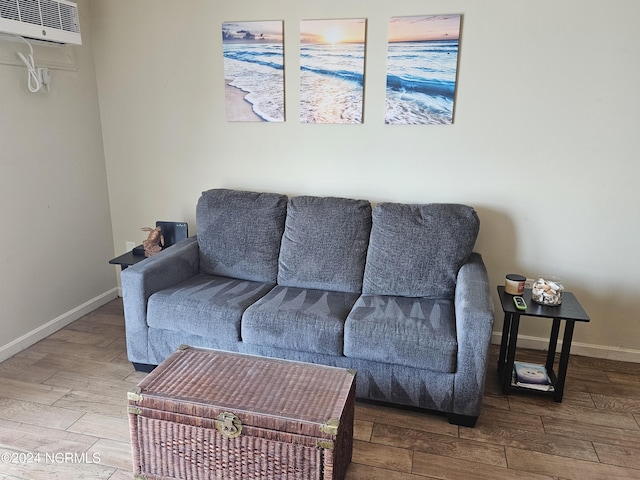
(332, 31)
(432, 27)
(250, 32)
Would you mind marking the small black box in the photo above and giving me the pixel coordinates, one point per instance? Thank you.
(173, 232)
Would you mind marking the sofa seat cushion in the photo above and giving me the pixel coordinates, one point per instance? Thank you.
(325, 243)
(239, 233)
(413, 332)
(417, 250)
(298, 319)
(205, 305)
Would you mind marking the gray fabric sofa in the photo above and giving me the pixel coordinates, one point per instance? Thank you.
(394, 292)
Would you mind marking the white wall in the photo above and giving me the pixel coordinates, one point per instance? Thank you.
(56, 235)
(545, 141)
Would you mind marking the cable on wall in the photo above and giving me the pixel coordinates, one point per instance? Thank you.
(37, 78)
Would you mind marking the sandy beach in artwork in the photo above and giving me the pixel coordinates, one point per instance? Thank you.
(238, 108)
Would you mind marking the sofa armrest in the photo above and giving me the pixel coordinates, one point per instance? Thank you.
(474, 325)
(169, 267)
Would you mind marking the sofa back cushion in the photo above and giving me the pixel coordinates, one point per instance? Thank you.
(325, 243)
(239, 233)
(417, 250)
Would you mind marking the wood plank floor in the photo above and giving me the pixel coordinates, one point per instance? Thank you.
(63, 416)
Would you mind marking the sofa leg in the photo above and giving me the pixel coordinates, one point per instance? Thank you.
(462, 420)
(143, 367)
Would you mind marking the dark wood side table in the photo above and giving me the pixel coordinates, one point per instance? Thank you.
(126, 260)
(569, 311)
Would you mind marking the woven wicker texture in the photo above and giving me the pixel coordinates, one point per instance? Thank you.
(283, 406)
(176, 450)
(269, 387)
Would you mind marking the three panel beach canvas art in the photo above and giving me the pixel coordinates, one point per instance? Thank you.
(422, 60)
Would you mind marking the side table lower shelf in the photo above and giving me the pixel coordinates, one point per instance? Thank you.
(513, 385)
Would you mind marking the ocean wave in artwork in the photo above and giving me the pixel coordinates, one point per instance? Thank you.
(331, 83)
(431, 87)
(421, 82)
(258, 70)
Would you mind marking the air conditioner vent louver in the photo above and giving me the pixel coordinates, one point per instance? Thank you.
(29, 11)
(69, 18)
(9, 10)
(52, 20)
(51, 14)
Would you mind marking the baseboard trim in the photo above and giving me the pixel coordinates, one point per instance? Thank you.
(28, 339)
(577, 348)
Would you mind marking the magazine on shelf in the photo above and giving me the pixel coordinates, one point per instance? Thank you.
(531, 375)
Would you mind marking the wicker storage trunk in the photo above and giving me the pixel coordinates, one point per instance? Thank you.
(206, 414)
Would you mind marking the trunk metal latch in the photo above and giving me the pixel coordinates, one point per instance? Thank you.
(229, 425)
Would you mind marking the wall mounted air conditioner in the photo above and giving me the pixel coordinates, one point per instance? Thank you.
(50, 20)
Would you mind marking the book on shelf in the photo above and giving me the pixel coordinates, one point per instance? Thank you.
(531, 375)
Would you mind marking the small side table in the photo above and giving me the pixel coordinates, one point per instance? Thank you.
(569, 311)
(126, 260)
